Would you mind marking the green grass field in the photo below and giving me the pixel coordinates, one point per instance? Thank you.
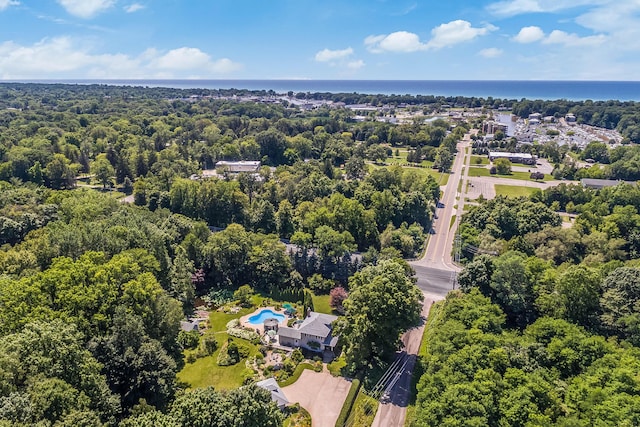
(514, 190)
(523, 176)
(441, 178)
(205, 371)
(479, 161)
(321, 304)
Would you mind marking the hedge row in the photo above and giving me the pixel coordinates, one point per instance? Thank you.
(348, 403)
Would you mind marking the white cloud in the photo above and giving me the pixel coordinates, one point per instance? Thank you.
(444, 35)
(455, 32)
(355, 65)
(6, 3)
(519, 7)
(326, 55)
(64, 57)
(400, 41)
(534, 34)
(492, 52)
(134, 7)
(86, 8)
(566, 39)
(529, 35)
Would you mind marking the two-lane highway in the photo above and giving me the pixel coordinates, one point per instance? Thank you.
(436, 274)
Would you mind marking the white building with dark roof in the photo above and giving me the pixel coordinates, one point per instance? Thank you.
(248, 166)
(524, 158)
(277, 395)
(316, 328)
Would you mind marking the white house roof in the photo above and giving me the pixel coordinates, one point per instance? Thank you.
(277, 395)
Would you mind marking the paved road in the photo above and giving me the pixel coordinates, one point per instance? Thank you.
(438, 252)
(435, 272)
(434, 281)
(394, 411)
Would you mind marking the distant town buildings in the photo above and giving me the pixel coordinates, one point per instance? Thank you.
(491, 127)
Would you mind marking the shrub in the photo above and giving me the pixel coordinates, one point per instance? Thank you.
(338, 295)
(289, 366)
(315, 345)
(228, 354)
(503, 166)
(234, 330)
(219, 297)
(320, 285)
(188, 340)
(208, 344)
(243, 295)
(297, 356)
(348, 403)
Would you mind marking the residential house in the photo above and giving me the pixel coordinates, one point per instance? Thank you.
(314, 333)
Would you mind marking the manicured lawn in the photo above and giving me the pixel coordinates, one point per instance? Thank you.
(479, 160)
(523, 176)
(441, 178)
(514, 190)
(205, 371)
(218, 320)
(321, 304)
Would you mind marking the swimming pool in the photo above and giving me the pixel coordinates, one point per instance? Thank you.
(258, 319)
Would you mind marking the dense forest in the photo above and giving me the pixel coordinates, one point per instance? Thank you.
(93, 285)
(544, 330)
(109, 236)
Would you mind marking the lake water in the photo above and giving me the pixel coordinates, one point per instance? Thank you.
(504, 89)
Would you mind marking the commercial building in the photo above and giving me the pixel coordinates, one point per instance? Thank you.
(524, 158)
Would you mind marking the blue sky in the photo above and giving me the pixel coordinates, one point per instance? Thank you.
(320, 39)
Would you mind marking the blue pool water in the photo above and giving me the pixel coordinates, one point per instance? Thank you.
(258, 319)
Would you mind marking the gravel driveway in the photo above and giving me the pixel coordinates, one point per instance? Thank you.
(321, 394)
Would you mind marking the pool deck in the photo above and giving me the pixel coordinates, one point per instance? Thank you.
(244, 320)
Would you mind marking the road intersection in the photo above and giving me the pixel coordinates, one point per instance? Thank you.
(436, 273)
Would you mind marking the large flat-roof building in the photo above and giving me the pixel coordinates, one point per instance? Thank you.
(249, 166)
(597, 184)
(524, 158)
